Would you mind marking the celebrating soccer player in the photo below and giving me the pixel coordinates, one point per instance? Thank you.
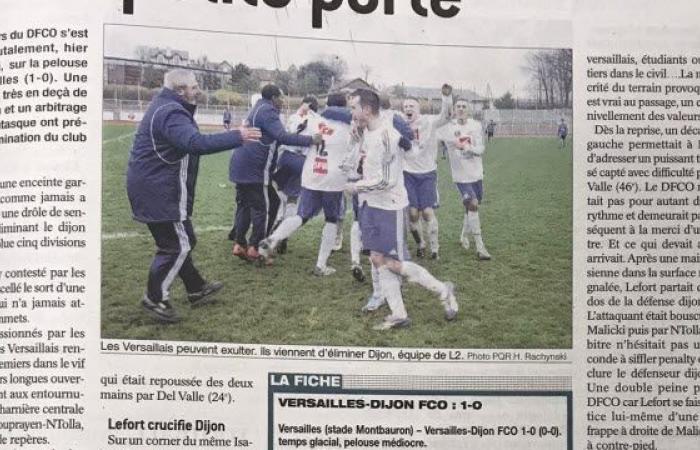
(351, 165)
(420, 170)
(249, 169)
(382, 199)
(463, 137)
(322, 183)
(287, 175)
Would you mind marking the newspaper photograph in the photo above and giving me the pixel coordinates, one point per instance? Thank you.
(305, 281)
(327, 224)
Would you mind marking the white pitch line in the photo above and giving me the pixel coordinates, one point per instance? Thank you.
(134, 234)
(118, 138)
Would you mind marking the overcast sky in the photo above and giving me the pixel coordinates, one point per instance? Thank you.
(423, 66)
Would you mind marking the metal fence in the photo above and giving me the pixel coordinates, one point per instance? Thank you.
(516, 122)
(527, 122)
(133, 110)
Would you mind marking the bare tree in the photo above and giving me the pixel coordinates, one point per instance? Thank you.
(551, 73)
(563, 62)
(537, 67)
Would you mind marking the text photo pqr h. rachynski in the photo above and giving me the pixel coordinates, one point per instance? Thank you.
(356, 194)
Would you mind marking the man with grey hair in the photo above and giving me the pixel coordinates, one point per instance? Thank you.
(160, 181)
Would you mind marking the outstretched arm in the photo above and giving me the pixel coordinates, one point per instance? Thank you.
(178, 130)
(272, 126)
(338, 114)
(445, 107)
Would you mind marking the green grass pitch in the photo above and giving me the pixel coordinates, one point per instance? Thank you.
(519, 299)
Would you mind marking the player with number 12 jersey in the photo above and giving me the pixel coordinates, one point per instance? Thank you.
(322, 183)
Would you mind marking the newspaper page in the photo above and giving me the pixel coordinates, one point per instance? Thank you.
(333, 224)
(637, 165)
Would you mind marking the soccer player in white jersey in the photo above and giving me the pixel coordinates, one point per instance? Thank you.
(463, 137)
(287, 175)
(382, 198)
(420, 170)
(396, 120)
(322, 184)
(355, 250)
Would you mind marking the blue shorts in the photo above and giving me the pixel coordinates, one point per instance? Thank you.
(422, 190)
(311, 202)
(384, 231)
(469, 191)
(287, 175)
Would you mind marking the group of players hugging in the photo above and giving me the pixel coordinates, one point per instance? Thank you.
(384, 162)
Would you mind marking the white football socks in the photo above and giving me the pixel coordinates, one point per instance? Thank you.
(291, 209)
(417, 274)
(286, 229)
(465, 227)
(433, 234)
(391, 287)
(327, 242)
(282, 210)
(355, 243)
(376, 284)
(474, 227)
(338, 240)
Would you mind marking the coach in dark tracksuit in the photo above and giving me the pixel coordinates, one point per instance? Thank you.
(161, 178)
(250, 169)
